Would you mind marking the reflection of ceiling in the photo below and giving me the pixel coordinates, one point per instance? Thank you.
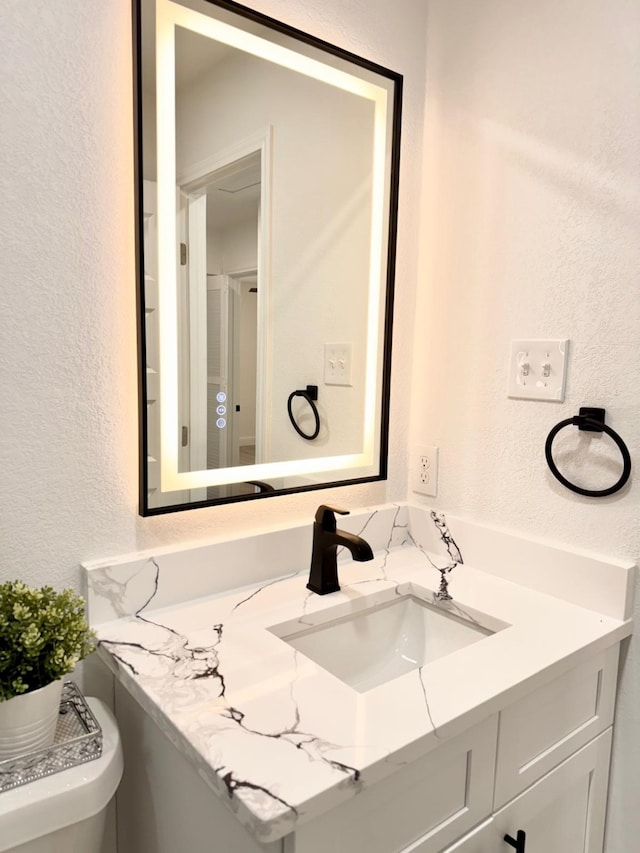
(234, 196)
(195, 54)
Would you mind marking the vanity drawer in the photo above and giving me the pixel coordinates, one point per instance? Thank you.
(422, 807)
(545, 727)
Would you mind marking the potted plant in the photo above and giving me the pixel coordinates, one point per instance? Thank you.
(43, 635)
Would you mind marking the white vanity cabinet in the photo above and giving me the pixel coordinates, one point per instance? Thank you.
(563, 812)
(435, 799)
(539, 765)
(238, 742)
(551, 762)
(552, 766)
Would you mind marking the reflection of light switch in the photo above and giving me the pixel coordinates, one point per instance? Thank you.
(337, 364)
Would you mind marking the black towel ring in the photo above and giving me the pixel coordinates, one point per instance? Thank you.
(310, 393)
(591, 420)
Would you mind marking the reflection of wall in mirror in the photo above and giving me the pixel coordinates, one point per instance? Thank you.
(322, 155)
(233, 248)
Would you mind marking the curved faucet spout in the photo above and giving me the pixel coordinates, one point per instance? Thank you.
(359, 547)
(323, 577)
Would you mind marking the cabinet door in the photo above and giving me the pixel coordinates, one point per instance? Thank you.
(422, 808)
(551, 723)
(481, 840)
(564, 811)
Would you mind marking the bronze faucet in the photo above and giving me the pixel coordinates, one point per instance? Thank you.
(323, 577)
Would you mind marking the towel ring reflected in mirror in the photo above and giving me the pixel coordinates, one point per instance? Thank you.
(310, 394)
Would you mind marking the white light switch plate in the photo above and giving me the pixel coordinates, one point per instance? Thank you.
(538, 369)
(337, 364)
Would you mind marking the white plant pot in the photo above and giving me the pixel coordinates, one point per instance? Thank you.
(28, 721)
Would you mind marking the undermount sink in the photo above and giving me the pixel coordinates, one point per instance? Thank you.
(380, 643)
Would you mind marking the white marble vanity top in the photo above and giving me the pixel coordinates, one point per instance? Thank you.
(280, 739)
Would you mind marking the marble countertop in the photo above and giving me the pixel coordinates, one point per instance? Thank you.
(280, 739)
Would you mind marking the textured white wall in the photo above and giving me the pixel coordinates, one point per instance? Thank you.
(532, 229)
(68, 343)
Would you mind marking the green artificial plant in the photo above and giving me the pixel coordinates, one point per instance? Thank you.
(43, 635)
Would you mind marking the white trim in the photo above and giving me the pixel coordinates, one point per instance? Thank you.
(197, 175)
(198, 329)
(184, 345)
(264, 344)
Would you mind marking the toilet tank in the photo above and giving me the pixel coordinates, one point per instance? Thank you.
(65, 812)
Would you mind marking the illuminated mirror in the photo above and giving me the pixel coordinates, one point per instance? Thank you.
(267, 167)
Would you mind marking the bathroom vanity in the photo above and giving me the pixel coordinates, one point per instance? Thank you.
(374, 719)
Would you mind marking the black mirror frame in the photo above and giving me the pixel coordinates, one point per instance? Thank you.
(397, 81)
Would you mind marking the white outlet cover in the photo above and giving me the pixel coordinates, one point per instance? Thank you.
(538, 369)
(424, 477)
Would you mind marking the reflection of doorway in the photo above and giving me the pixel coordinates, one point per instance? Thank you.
(227, 252)
(155, 496)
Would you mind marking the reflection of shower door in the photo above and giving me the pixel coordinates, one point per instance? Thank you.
(220, 397)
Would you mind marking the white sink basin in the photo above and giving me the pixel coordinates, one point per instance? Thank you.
(380, 643)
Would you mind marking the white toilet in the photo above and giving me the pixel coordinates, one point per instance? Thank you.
(65, 812)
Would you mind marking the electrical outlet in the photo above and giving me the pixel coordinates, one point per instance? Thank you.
(424, 470)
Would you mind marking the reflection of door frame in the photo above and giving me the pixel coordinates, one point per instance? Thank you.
(193, 179)
(156, 498)
(197, 255)
(184, 391)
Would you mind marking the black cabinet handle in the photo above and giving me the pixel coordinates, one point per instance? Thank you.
(518, 842)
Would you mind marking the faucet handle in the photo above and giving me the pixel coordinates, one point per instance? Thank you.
(325, 516)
